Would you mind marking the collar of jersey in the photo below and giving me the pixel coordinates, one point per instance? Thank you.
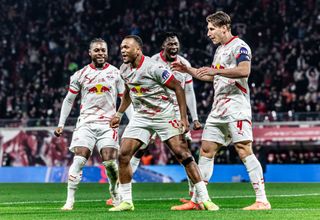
(234, 37)
(103, 68)
(140, 64)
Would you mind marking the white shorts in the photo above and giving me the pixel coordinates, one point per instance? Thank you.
(225, 133)
(90, 135)
(143, 129)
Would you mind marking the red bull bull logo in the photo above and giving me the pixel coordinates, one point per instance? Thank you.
(99, 89)
(218, 66)
(139, 90)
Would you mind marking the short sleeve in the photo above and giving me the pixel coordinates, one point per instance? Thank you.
(74, 86)
(162, 74)
(242, 53)
(120, 85)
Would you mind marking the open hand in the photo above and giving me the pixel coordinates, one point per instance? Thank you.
(179, 66)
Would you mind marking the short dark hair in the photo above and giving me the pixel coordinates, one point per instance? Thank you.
(219, 19)
(167, 35)
(97, 40)
(136, 38)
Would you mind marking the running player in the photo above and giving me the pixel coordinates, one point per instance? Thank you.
(231, 110)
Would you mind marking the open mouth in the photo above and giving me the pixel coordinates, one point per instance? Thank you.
(100, 59)
(173, 54)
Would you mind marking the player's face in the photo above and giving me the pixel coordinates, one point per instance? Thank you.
(216, 34)
(171, 47)
(99, 53)
(129, 50)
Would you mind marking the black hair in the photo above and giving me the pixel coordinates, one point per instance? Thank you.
(136, 38)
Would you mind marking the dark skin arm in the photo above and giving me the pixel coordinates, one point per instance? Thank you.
(125, 102)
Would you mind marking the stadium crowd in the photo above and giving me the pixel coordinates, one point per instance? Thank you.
(44, 42)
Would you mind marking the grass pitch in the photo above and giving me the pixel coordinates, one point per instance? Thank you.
(153, 201)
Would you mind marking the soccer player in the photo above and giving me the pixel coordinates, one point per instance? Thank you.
(231, 111)
(99, 84)
(146, 87)
(168, 54)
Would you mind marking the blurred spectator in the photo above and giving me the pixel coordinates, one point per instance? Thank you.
(42, 44)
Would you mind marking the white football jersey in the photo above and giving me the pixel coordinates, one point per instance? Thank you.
(99, 91)
(183, 78)
(231, 96)
(148, 93)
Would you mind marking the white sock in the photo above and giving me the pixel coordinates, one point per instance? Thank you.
(74, 178)
(201, 191)
(134, 162)
(112, 173)
(206, 167)
(256, 177)
(125, 191)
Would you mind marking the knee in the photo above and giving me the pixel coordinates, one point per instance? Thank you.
(185, 158)
(124, 158)
(109, 154)
(207, 152)
(185, 162)
(243, 149)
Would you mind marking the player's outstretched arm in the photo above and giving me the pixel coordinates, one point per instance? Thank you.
(181, 67)
(65, 111)
(175, 86)
(242, 70)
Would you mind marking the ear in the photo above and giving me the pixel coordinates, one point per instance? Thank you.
(224, 28)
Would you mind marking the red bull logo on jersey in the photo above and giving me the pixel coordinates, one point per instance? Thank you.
(139, 90)
(99, 89)
(218, 66)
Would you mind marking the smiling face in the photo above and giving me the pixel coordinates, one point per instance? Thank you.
(171, 47)
(99, 53)
(216, 34)
(130, 50)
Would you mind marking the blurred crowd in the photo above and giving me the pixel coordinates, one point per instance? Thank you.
(42, 148)
(44, 42)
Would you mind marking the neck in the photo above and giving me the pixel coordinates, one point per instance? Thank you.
(137, 61)
(98, 65)
(227, 38)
